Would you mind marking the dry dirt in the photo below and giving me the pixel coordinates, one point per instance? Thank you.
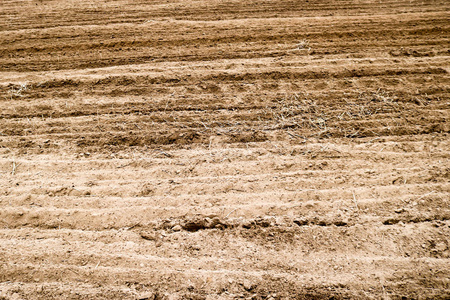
(224, 149)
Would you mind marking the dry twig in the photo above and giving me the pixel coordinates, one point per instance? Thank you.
(14, 168)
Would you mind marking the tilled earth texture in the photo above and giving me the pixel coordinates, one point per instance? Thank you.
(224, 149)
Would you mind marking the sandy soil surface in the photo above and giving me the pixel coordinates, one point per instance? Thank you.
(224, 149)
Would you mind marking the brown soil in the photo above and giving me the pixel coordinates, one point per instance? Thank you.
(224, 149)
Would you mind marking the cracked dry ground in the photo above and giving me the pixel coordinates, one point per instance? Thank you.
(224, 149)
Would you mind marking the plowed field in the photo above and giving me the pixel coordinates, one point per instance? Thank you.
(224, 149)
